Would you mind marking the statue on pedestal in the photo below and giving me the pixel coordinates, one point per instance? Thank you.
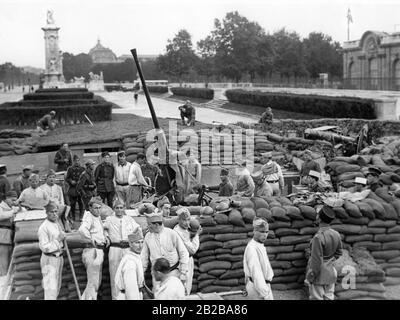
(50, 19)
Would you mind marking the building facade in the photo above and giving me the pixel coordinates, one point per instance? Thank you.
(373, 62)
(101, 54)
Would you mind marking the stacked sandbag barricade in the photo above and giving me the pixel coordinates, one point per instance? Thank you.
(13, 142)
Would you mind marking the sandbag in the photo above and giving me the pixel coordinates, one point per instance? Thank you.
(391, 213)
(235, 243)
(386, 237)
(350, 176)
(218, 229)
(222, 251)
(382, 192)
(207, 259)
(385, 254)
(229, 257)
(246, 203)
(280, 232)
(352, 209)
(365, 209)
(356, 221)
(293, 212)
(235, 218)
(284, 201)
(230, 236)
(301, 247)
(239, 250)
(237, 265)
(292, 240)
(308, 230)
(302, 223)
(221, 218)
(259, 203)
(396, 206)
(394, 245)
(347, 168)
(369, 245)
(279, 213)
(377, 207)
(359, 238)
(207, 221)
(264, 213)
(395, 229)
(217, 272)
(340, 213)
(279, 224)
(206, 211)
(308, 212)
(248, 214)
(205, 253)
(290, 256)
(206, 237)
(210, 245)
(279, 249)
(347, 229)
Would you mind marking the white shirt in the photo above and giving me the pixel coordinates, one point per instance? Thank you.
(48, 233)
(36, 198)
(275, 176)
(118, 229)
(166, 244)
(130, 277)
(170, 289)
(55, 193)
(6, 212)
(122, 173)
(136, 175)
(256, 265)
(192, 245)
(92, 228)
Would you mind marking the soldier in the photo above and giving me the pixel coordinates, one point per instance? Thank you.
(225, 188)
(326, 247)
(308, 164)
(273, 173)
(46, 122)
(315, 185)
(262, 187)
(72, 178)
(86, 187)
(22, 182)
(104, 179)
(373, 178)
(245, 184)
(267, 117)
(4, 183)
(189, 112)
(63, 158)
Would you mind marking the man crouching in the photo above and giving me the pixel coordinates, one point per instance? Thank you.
(257, 268)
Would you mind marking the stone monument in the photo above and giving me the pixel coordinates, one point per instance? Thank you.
(96, 82)
(53, 75)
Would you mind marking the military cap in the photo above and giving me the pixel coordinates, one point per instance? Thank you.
(136, 235)
(260, 224)
(154, 217)
(183, 213)
(327, 213)
(258, 175)
(224, 172)
(51, 206)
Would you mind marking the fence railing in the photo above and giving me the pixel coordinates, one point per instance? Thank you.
(373, 83)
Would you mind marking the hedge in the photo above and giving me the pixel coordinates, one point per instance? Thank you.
(58, 96)
(29, 116)
(45, 103)
(158, 89)
(62, 90)
(194, 92)
(332, 107)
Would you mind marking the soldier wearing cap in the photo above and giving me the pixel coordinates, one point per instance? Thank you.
(225, 188)
(308, 165)
(63, 158)
(256, 266)
(33, 197)
(262, 187)
(164, 206)
(104, 179)
(373, 178)
(7, 211)
(117, 228)
(267, 116)
(4, 183)
(326, 247)
(122, 169)
(245, 184)
(129, 277)
(191, 243)
(136, 180)
(86, 186)
(93, 255)
(164, 242)
(72, 178)
(46, 122)
(22, 182)
(273, 173)
(314, 183)
(51, 237)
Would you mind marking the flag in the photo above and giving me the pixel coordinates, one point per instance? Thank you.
(349, 17)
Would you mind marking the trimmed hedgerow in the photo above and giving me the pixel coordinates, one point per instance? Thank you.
(58, 95)
(18, 115)
(193, 92)
(49, 103)
(331, 107)
(158, 89)
(62, 90)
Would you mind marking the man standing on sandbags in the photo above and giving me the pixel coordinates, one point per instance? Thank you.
(7, 211)
(256, 266)
(161, 242)
(262, 187)
(22, 182)
(136, 180)
(104, 179)
(326, 247)
(245, 184)
(51, 239)
(93, 255)
(122, 169)
(117, 228)
(273, 173)
(191, 243)
(129, 277)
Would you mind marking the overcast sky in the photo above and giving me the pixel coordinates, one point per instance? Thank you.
(147, 24)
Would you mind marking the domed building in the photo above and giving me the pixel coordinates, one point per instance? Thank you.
(101, 54)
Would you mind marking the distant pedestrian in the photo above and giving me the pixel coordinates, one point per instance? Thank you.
(46, 122)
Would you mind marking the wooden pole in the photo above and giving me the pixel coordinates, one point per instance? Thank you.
(72, 270)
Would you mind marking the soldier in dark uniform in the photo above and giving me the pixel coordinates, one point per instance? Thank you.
(308, 165)
(72, 178)
(104, 179)
(267, 117)
(189, 112)
(86, 187)
(63, 158)
(46, 122)
(315, 185)
(326, 247)
(22, 182)
(225, 188)
(4, 183)
(373, 178)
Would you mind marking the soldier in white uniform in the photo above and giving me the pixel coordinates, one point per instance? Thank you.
(129, 278)
(257, 268)
(117, 228)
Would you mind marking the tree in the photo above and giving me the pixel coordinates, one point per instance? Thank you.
(236, 41)
(322, 55)
(289, 58)
(76, 66)
(179, 57)
(206, 63)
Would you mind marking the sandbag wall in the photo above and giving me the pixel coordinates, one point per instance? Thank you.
(225, 236)
(27, 276)
(13, 142)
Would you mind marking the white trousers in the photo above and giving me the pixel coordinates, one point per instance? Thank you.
(253, 294)
(114, 258)
(52, 275)
(275, 189)
(122, 194)
(93, 260)
(5, 255)
(189, 275)
(322, 292)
